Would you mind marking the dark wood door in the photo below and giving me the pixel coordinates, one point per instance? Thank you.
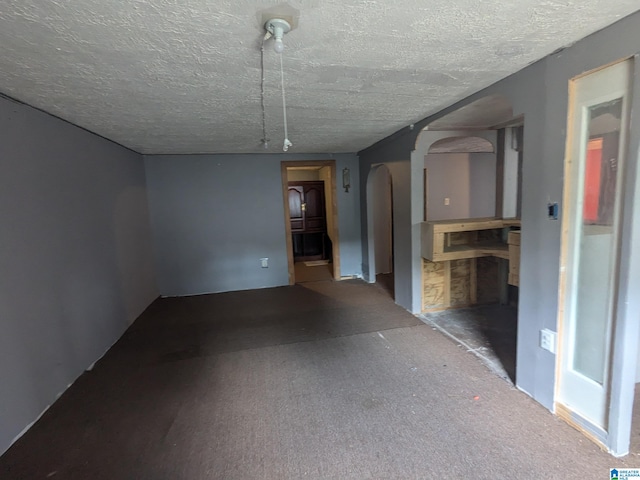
(308, 220)
(306, 207)
(314, 207)
(296, 215)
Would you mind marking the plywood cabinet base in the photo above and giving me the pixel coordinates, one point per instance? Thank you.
(514, 258)
(459, 283)
(462, 261)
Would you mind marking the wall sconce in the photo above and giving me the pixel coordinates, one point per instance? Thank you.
(346, 179)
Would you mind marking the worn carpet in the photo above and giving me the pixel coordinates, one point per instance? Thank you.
(329, 380)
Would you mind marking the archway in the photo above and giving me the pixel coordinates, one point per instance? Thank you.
(470, 185)
(380, 227)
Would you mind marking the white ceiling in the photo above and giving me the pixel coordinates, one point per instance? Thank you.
(183, 76)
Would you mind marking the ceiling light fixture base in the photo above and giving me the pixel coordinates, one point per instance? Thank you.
(275, 23)
(277, 27)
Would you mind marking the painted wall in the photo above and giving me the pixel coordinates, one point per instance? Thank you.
(75, 257)
(382, 220)
(324, 174)
(397, 158)
(303, 175)
(448, 177)
(510, 178)
(482, 185)
(540, 93)
(214, 216)
(467, 180)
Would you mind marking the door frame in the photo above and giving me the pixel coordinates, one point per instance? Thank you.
(625, 330)
(333, 232)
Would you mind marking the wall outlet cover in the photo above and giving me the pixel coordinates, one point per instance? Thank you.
(548, 340)
(264, 262)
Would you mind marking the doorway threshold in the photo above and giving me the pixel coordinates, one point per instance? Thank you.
(313, 272)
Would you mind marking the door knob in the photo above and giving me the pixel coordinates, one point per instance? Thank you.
(304, 207)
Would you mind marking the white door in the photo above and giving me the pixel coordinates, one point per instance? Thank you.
(598, 122)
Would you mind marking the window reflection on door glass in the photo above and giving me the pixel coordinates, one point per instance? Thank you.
(602, 163)
(597, 239)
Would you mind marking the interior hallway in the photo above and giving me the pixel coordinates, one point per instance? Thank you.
(327, 380)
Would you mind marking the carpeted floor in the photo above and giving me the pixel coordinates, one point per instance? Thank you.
(329, 380)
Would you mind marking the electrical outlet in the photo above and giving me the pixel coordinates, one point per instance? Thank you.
(264, 262)
(447, 201)
(548, 340)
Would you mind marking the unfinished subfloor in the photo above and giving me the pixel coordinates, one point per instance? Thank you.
(489, 331)
(327, 380)
(386, 281)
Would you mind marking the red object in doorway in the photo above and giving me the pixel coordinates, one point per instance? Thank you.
(592, 179)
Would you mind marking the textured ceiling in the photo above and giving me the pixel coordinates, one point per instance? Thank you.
(183, 76)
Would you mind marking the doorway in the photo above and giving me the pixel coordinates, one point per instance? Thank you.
(471, 200)
(311, 220)
(382, 198)
(594, 166)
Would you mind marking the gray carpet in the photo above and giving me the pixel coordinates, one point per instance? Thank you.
(329, 380)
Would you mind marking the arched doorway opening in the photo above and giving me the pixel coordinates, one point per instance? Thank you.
(380, 216)
(472, 168)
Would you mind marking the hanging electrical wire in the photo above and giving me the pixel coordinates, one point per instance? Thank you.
(265, 139)
(287, 143)
(276, 28)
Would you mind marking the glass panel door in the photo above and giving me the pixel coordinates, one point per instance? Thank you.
(598, 122)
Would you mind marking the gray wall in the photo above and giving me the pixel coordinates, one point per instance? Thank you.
(382, 220)
(482, 185)
(448, 176)
(540, 93)
(468, 180)
(510, 179)
(75, 257)
(396, 157)
(215, 216)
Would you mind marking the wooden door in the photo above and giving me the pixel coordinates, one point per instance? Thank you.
(314, 207)
(306, 207)
(308, 220)
(296, 213)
